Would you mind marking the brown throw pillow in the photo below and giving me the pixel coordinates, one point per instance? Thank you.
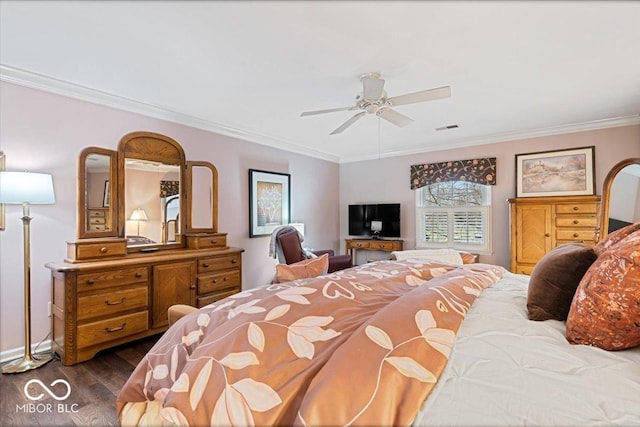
(311, 267)
(605, 311)
(612, 239)
(554, 280)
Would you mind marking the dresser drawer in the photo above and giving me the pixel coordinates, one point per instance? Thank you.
(383, 246)
(219, 281)
(111, 329)
(96, 213)
(103, 279)
(574, 234)
(209, 299)
(100, 250)
(111, 302)
(359, 245)
(97, 220)
(206, 265)
(207, 241)
(97, 227)
(576, 208)
(577, 221)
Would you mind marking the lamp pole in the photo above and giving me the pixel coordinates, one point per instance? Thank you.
(28, 361)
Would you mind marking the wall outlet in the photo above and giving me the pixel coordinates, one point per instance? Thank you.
(49, 309)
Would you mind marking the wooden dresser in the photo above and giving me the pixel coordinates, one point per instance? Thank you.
(113, 297)
(539, 224)
(110, 290)
(351, 245)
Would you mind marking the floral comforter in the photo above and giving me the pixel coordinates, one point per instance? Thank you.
(362, 346)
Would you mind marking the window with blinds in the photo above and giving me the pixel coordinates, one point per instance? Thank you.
(454, 214)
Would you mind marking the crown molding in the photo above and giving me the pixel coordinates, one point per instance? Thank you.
(504, 137)
(71, 90)
(60, 87)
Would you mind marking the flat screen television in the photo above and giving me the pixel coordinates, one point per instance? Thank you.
(361, 217)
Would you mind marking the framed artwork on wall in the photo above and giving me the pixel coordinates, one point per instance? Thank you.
(269, 201)
(556, 173)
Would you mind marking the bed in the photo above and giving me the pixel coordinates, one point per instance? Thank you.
(416, 341)
(502, 369)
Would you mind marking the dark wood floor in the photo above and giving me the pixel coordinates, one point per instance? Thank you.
(94, 387)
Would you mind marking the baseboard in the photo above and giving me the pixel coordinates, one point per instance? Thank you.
(15, 353)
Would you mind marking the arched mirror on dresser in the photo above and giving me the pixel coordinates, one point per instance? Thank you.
(620, 196)
(152, 175)
(147, 239)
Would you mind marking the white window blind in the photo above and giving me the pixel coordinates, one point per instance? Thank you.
(454, 215)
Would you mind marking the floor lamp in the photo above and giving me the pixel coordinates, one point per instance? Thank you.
(26, 188)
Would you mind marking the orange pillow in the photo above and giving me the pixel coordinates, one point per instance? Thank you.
(307, 268)
(605, 311)
(615, 237)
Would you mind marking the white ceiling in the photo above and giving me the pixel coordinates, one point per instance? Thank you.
(248, 69)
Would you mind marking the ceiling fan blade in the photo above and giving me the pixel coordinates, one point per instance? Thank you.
(348, 123)
(330, 110)
(394, 117)
(422, 96)
(372, 87)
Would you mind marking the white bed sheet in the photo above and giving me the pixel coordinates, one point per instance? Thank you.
(506, 370)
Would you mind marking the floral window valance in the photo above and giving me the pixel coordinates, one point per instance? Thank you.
(481, 171)
(169, 188)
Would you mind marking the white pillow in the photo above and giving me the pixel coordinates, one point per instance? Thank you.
(450, 256)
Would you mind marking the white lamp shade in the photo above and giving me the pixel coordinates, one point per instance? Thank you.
(139, 215)
(26, 187)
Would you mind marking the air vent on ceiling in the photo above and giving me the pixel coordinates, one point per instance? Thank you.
(447, 127)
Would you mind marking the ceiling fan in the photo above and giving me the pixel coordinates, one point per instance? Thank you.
(373, 99)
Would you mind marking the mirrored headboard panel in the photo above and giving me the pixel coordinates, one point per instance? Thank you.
(97, 193)
(620, 196)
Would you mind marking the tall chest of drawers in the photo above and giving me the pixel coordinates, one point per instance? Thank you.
(539, 224)
(101, 303)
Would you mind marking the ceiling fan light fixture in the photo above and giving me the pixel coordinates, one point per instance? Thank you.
(373, 99)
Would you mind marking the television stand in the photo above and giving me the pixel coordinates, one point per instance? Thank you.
(351, 245)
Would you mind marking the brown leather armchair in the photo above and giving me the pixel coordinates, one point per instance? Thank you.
(289, 250)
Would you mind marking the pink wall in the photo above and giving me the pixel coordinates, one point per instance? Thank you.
(387, 180)
(43, 132)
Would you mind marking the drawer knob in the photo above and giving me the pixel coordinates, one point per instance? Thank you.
(116, 329)
(575, 235)
(234, 261)
(575, 221)
(138, 275)
(215, 280)
(547, 235)
(122, 300)
(104, 250)
(225, 279)
(205, 265)
(575, 208)
(213, 242)
(90, 282)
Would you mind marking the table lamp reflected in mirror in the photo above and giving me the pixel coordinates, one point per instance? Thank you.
(138, 215)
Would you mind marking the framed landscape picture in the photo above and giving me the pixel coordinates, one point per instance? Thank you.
(269, 201)
(556, 173)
